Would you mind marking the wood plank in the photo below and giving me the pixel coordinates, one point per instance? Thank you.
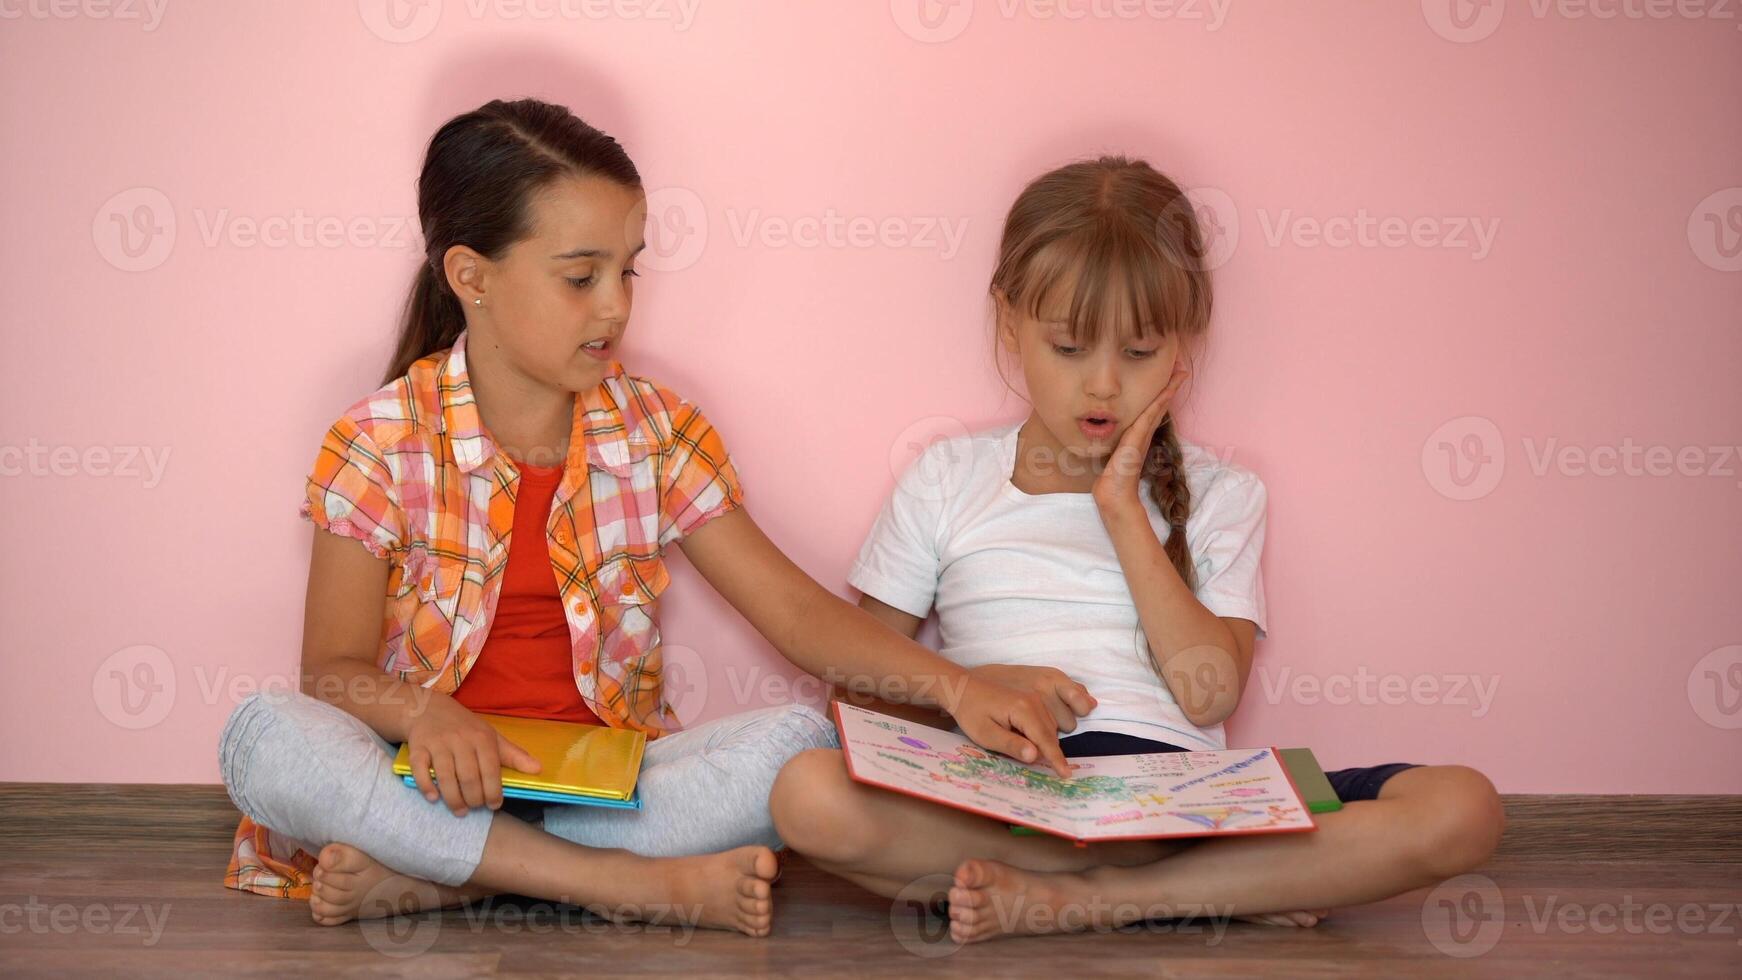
(71, 847)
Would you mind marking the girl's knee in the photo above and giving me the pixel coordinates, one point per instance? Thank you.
(289, 759)
(812, 805)
(1461, 817)
(811, 728)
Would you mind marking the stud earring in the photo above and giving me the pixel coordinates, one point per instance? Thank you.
(478, 300)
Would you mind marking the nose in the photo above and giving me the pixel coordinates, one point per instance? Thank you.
(1102, 381)
(612, 302)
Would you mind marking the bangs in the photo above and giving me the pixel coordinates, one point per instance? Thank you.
(1105, 277)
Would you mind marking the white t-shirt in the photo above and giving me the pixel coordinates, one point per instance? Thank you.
(1033, 579)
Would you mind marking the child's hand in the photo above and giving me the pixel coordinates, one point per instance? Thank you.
(1064, 698)
(1010, 721)
(466, 754)
(1117, 484)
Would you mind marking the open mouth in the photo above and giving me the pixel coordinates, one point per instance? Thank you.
(600, 348)
(1098, 426)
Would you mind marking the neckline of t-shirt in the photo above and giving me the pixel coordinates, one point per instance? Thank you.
(529, 471)
(1007, 474)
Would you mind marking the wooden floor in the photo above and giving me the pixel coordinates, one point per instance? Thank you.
(1612, 886)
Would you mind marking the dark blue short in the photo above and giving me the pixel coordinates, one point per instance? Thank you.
(1361, 783)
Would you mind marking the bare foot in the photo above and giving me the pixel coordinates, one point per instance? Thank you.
(349, 884)
(989, 899)
(729, 890)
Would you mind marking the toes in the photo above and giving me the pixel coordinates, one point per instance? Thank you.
(973, 874)
(967, 898)
(763, 864)
(753, 888)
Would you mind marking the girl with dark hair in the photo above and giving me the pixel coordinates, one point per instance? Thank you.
(490, 534)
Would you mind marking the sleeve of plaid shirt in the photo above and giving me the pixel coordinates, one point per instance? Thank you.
(699, 482)
(350, 491)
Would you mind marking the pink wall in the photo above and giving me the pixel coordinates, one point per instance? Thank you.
(1573, 625)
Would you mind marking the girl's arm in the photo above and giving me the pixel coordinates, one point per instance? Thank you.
(341, 640)
(844, 645)
(1203, 658)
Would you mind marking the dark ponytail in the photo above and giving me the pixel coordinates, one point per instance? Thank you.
(479, 176)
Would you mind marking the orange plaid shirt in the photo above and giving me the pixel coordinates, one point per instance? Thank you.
(410, 473)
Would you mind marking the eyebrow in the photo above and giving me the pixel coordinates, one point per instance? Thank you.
(595, 253)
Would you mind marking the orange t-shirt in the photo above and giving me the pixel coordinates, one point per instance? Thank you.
(526, 667)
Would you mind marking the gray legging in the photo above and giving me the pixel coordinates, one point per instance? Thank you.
(316, 774)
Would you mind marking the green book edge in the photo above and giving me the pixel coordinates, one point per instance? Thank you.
(1303, 768)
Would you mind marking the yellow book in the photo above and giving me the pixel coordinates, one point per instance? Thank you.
(588, 764)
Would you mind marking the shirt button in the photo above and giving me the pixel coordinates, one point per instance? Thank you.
(562, 535)
(628, 588)
(581, 607)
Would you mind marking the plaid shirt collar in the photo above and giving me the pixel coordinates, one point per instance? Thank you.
(608, 419)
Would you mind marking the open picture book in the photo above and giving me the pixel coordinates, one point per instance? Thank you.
(1122, 797)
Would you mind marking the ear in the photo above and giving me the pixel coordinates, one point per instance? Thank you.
(464, 270)
(1006, 321)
